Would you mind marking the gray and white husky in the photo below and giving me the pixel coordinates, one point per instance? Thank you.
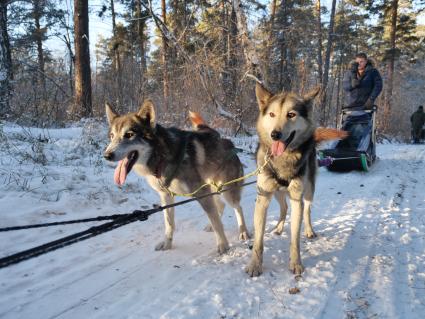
(287, 138)
(176, 160)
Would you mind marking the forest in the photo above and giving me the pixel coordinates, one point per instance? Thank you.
(202, 55)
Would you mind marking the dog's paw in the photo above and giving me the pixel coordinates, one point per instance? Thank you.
(222, 248)
(296, 268)
(310, 234)
(244, 235)
(254, 269)
(208, 228)
(164, 245)
(278, 230)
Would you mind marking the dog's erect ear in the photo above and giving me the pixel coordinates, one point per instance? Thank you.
(110, 113)
(263, 95)
(147, 112)
(310, 96)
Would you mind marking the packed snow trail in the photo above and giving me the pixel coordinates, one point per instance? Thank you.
(367, 262)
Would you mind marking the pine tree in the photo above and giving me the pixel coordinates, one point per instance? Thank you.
(83, 93)
(5, 63)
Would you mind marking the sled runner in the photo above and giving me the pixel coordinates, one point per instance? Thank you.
(358, 150)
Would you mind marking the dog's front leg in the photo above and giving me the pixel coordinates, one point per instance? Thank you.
(166, 199)
(281, 199)
(255, 267)
(308, 199)
(295, 194)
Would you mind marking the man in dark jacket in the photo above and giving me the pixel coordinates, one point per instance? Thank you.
(418, 120)
(362, 84)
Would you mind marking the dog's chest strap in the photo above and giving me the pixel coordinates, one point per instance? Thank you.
(279, 180)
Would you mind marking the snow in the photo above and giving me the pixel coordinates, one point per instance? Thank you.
(367, 262)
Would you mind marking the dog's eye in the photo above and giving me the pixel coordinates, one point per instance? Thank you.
(291, 115)
(129, 135)
(272, 114)
(111, 136)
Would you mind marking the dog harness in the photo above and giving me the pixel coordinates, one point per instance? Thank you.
(282, 182)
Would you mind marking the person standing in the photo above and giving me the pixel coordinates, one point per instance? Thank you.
(362, 84)
(418, 120)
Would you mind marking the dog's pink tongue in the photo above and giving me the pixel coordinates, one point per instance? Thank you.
(278, 148)
(121, 172)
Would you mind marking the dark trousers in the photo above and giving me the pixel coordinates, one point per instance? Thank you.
(417, 132)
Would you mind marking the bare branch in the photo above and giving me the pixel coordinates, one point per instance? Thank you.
(34, 67)
(201, 68)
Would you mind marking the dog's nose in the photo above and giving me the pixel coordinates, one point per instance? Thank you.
(276, 135)
(108, 156)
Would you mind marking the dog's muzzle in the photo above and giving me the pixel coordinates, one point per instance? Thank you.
(276, 135)
(108, 156)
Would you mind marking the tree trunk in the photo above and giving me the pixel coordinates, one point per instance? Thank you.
(141, 35)
(5, 63)
(319, 41)
(117, 62)
(391, 62)
(39, 42)
(225, 33)
(270, 40)
(284, 76)
(67, 41)
(83, 103)
(327, 63)
(117, 58)
(165, 79)
(141, 25)
(338, 97)
(230, 34)
(250, 53)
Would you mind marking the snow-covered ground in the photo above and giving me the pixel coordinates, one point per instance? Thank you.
(367, 262)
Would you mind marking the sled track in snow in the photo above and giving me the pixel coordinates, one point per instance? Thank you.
(378, 259)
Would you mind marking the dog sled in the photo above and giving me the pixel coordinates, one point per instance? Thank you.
(358, 150)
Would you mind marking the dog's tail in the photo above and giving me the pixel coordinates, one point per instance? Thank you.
(196, 119)
(322, 134)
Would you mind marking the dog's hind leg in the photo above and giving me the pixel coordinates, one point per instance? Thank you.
(220, 209)
(233, 197)
(210, 208)
(166, 199)
(308, 199)
(281, 199)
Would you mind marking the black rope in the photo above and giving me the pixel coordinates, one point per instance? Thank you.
(119, 220)
(92, 219)
(65, 222)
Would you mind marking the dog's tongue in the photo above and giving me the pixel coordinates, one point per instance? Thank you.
(278, 148)
(121, 172)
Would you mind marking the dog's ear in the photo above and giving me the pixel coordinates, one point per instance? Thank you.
(147, 112)
(310, 96)
(110, 113)
(263, 95)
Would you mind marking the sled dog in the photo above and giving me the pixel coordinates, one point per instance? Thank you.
(176, 160)
(287, 140)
